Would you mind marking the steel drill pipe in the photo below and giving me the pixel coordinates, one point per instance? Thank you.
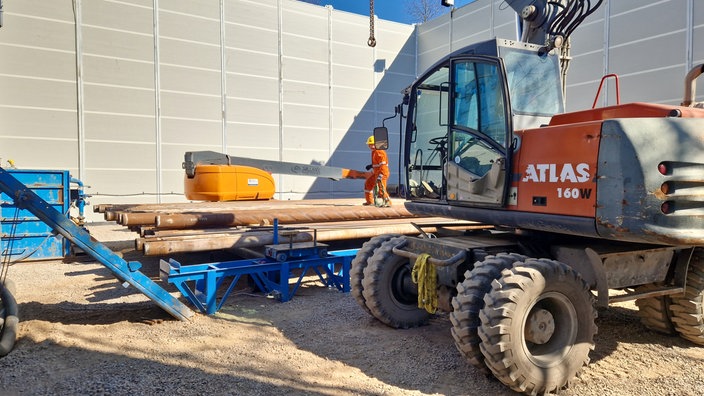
(224, 206)
(136, 219)
(110, 215)
(259, 238)
(243, 240)
(284, 216)
(139, 243)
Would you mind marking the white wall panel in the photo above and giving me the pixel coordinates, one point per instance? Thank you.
(115, 99)
(259, 14)
(117, 44)
(351, 55)
(120, 127)
(255, 112)
(638, 57)
(190, 20)
(37, 85)
(356, 77)
(189, 54)
(15, 61)
(195, 133)
(191, 80)
(305, 69)
(252, 87)
(39, 153)
(257, 64)
(110, 186)
(26, 91)
(20, 123)
(307, 94)
(257, 141)
(252, 38)
(117, 71)
(300, 116)
(51, 32)
(350, 29)
(185, 105)
(140, 157)
(117, 89)
(698, 34)
(119, 15)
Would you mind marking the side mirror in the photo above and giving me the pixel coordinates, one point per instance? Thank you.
(381, 138)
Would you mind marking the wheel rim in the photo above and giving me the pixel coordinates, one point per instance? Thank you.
(402, 288)
(550, 329)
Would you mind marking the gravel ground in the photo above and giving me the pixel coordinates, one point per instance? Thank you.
(80, 332)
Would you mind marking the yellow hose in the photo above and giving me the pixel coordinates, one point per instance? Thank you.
(425, 276)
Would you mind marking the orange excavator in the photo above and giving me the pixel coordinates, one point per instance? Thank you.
(589, 208)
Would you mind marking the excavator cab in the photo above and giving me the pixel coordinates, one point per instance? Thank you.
(459, 134)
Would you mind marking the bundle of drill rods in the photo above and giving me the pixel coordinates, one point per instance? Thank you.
(205, 226)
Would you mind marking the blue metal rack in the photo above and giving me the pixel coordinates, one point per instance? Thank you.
(200, 283)
(25, 198)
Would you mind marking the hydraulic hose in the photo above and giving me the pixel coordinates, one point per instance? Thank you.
(10, 320)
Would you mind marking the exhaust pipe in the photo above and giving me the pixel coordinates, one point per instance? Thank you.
(690, 87)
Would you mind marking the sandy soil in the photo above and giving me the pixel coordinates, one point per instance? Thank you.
(81, 332)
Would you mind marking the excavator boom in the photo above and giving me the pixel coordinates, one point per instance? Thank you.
(213, 176)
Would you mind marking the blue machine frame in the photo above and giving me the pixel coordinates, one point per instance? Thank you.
(199, 283)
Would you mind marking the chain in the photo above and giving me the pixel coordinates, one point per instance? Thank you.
(372, 41)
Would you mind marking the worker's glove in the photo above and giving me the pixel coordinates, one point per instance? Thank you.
(378, 178)
(368, 167)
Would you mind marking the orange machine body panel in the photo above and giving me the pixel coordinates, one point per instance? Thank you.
(555, 170)
(628, 110)
(229, 183)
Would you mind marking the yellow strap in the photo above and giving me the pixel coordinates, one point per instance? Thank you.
(424, 275)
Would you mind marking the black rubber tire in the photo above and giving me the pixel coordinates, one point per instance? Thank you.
(654, 312)
(359, 263)
(469, 301)
(389, 293)
(10, 322)
(10, 286)
(558, 298)
(688, 311)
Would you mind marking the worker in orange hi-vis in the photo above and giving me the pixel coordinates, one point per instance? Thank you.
(380, 174)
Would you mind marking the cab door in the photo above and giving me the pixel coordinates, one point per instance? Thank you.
(476, 170)
(459, 133)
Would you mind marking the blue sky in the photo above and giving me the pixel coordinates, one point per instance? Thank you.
(392, 10)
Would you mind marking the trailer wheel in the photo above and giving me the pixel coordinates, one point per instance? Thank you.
(359, 263)
(388, 290)
(688, 310)
(537, 327)
(470, 300)
(654, 312)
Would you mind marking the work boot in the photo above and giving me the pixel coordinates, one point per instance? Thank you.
(369, 198)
